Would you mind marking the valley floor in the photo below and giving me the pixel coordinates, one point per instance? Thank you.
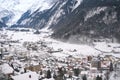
(26, 55)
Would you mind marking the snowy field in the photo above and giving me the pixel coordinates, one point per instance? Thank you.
(67, 47)
(99, 48)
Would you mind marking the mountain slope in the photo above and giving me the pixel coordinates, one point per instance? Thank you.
(80, 19)
(92, 19)
(2, 24)
(13, 9)
(50, 17)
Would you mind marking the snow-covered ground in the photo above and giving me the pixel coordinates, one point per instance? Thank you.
(66, 47)
(99, 48)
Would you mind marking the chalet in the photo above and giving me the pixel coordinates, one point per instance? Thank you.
(34, 68)
(89, 58)
(7, 58)
(105, 62)
(96, 63)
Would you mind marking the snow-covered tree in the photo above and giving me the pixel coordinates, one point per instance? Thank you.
(76, 71)
(84, 77)
(48, 74)
(111, 66)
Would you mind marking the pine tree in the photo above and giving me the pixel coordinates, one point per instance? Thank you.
(84, 77)
(76, 71)
(54, 76)
(48, 74)
(97, 78)
(41, 72)
(61, 73)
(111, 66)
(107, 75)
(100, 78)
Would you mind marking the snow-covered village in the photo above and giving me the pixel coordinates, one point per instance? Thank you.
(27, 54)
(59, 39)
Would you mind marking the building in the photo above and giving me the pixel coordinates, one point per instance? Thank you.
(35, 68)
(96, 63)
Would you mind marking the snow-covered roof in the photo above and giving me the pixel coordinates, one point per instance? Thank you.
(84, 72)
(6, 69)
(25, 76)
(58, 55)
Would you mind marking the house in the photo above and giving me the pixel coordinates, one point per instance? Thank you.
(89, 58)
(96, 63)
(8, 58)
(35, 68)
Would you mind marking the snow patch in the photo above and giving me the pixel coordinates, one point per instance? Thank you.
(77, 4)
(55, 17)
(93, 12)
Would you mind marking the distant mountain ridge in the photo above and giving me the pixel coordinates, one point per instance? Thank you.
(93, 19)
(13, 9)
(50, 17)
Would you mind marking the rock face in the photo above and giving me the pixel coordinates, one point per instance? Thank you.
(2, 25)
(69, 19)
(92, 19)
